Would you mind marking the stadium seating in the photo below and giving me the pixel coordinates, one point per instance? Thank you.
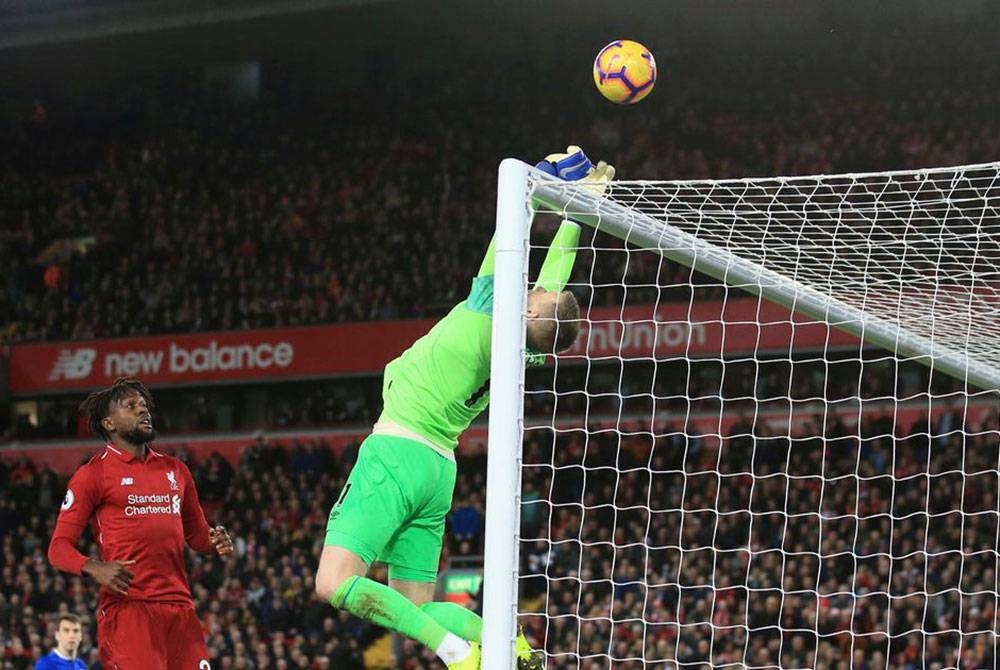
(258, 610)
(344, 221)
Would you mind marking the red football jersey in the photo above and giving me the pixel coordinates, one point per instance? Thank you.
(141, 510)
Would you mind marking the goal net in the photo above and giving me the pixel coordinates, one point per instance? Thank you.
(775, 443)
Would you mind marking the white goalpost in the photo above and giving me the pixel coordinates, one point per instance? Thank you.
(776, 442)
(500, 597)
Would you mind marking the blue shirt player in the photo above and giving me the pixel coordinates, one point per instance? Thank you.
(68, 636)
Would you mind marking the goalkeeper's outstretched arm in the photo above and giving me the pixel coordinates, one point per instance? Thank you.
(549, 305)
(489, 260)
(552, 312)
(560, 257)
(573, 165)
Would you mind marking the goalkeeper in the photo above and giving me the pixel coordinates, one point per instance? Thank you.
(394, 503)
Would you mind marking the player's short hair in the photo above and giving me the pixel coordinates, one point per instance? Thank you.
(97, 405)
(558, 330)
(568, 318)
(72, 618)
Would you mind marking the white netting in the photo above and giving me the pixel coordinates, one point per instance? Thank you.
(710, 481)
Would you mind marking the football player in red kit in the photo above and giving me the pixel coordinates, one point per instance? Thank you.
(143, 507)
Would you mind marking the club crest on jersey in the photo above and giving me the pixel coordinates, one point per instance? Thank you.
(172, 478)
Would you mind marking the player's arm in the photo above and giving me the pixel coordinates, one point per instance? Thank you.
(560, 257)
(82, 498)
(570, 166)
(78, 506)
(481, 294)
(573, 165)
(197, 533)
(489, 260)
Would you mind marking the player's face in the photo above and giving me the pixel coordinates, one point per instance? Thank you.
(68, 637)
(131, 418)
(542, 303)
(541, 308)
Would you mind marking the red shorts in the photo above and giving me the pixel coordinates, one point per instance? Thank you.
(142, 635)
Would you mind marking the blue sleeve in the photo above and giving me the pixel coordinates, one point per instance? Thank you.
(45, 662)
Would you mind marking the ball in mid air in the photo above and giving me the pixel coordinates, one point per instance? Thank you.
(624, 72)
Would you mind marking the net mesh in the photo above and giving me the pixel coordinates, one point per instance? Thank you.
(710, 479)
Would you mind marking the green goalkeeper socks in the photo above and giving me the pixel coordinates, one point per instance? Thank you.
(427, 624)
(388, 608)
(456, 619)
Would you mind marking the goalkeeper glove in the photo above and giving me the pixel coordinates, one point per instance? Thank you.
(570, 166)
(573, 165)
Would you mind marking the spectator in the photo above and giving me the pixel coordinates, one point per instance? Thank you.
(467, 519)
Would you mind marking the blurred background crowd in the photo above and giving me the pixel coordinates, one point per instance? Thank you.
(835, 542)
(226, 218)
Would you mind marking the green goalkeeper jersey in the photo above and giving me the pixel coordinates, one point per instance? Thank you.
(438, 386)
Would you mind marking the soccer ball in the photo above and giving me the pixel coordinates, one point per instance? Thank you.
(624, 72)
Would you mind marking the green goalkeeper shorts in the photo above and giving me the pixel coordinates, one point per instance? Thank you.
(393, 507)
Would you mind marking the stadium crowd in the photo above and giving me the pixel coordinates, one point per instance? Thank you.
(240, 217)
(874, 543)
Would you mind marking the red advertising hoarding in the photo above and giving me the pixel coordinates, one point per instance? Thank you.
(239, 355)
(711, 328)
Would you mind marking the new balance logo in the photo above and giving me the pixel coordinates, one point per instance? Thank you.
(127, 481)
(73, 364)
